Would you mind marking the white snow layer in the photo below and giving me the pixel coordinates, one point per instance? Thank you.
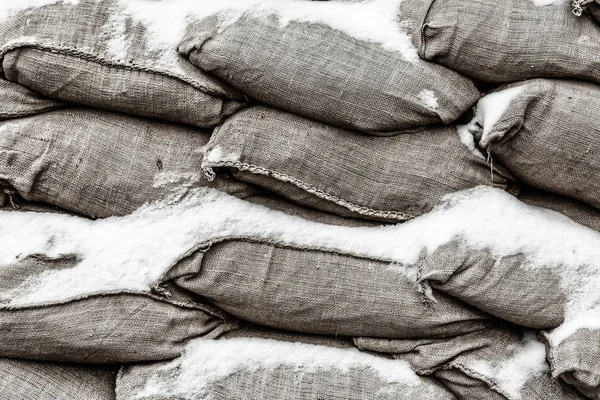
(9, 8)
(491, 108)
(204, 362)
(374, 21)
(429, 99)
(527, 362)
(541, 3)
(134, 251)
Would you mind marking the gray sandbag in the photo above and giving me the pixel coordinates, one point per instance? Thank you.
(17, 101)
(511, 40)
(316, 291)
(99, 163)
(348, 64)
(101, 54)
(28, 380)
(546, 132)
(273, 365)
(345, 172)
(499, 362)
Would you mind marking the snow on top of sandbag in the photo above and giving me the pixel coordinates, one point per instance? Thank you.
(375, 21)
(541, 3)
(528, 361)
(428, 98)
(134, 251)
(9, 8)
(205, 362)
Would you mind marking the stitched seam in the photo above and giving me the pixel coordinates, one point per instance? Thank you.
(255, 169)
(100, 60)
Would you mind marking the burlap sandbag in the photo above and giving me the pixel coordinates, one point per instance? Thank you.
(324, 73)
(18, 101)
(345, 172)
(546, 133)
(323, 292)
(28, 380)
(100, 163)
(494, 363)
(511, 40)
(96, 53)
(273, 365)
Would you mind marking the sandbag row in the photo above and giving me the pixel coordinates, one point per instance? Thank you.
(120, 56)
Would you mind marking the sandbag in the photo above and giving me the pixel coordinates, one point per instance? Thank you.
(27, 380)
(546, 133)
(511, 40)
(344, 172)
(500, 362)
(273, 365)
(18, 101)
(99, 163)
(102, 54)
(348, 64)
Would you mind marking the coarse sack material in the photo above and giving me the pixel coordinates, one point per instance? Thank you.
(36, 380)
(17, 101)
(509, 41)
(546, 132)
(346, 172)
(99, 163)
(499, 362)
(95, 53)
(347, 64)
(262, 364)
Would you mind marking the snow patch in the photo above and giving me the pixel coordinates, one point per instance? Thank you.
(527, 362)
(429, 99)
(216, 154)
(374, 21)
(465, 133)
(490, 110)
(10, 8)
(205, 362)
(542, 3)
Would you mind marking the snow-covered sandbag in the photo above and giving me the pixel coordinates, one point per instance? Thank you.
(511, 40)
(578, 211)
(29, 380)
(49, 312)
(348, 64)
(99, 163)
(345, 172)
(494, 363)
(18, 101)
(547, 133)
(100, 53)
(273, 366)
